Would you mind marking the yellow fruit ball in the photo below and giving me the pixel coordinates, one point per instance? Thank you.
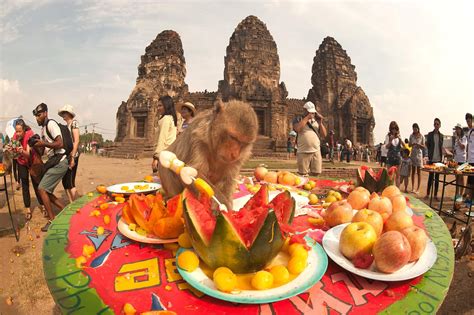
(312, 183)
(297, 181)
(225, 281)
(330, 199)
(300, 252)
(280, 274)
(307, 186)
(185, 241)
(262, 280)
(296, 265)
(106, 219)
(100, 230)
(188, 261)
(293, 247)
(313, 199)
(221, 269)
(128, 309)
(337, 195)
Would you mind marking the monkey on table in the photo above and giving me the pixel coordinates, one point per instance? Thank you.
(216, 143)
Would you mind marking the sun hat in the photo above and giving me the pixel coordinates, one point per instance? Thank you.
(66, 109)
(309, 106)
(457, 126)
(190, 106)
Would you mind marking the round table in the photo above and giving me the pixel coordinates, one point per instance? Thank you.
(123, 271)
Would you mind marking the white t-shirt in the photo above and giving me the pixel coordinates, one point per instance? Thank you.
(55, 131)
(460, 154)
(470, 146)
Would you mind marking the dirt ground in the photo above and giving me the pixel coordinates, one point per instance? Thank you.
(21, 268)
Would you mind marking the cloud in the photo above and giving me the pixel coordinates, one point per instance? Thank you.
(11, 98)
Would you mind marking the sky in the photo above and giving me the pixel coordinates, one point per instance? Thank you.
(414, 59)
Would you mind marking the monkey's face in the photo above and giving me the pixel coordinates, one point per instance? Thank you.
(232, 146)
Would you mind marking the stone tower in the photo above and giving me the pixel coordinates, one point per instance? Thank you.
(252, 74)
(161, 72)
(336, 94)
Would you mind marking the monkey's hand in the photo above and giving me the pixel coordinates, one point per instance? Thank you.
(154, 166)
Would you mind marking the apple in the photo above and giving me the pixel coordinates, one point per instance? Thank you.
(271, 177)
(363, 260)
(357, 238)
(399, 203)
(373, 195)
(382, 205)
(260, 172)
(391, 252)
(417, 238)
(359, 198)
(338, 212)
(390, 191)
(398, 221)
(372, 217)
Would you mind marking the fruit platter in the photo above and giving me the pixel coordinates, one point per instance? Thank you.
(2, 169)
(133, 188)
(374, 236)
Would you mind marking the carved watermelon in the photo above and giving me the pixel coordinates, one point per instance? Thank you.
(245, 240)
(375, 182)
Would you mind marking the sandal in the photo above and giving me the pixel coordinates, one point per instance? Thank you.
(44, 212)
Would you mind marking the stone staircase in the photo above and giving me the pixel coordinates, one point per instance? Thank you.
(131, 149)
(265, 147)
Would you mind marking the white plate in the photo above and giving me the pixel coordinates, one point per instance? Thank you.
(409, 271)
(301, 202)
(123, 228)
(117, 188)
(314, 271)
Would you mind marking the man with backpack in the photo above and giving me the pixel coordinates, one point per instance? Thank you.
(53, 144)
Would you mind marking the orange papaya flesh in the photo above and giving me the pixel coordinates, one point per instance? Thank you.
(168, 227)
(140, 211)
(127, 215)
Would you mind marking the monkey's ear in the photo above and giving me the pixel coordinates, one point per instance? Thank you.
(218, 106)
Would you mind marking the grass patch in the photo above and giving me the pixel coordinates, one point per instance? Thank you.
(279, 164)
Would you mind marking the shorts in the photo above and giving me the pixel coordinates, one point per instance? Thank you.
(53, 176)
(309, 162)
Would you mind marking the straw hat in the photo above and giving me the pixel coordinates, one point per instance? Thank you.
(190, 106)
(66, 109)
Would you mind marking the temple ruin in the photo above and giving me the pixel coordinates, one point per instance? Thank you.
(251, 74)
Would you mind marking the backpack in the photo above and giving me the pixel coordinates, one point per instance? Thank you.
(65, 134)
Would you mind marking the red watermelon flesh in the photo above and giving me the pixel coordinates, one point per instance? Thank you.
(247, 222)
(259, 199)
(284, 206)
(201, 215)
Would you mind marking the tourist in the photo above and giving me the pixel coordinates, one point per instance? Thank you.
(459, 156)
(310, 130)
(22, 134)
(383, 155)
(434, 144)
(69, 180)
(332, 146)
(417, 143)
(406, 145)
(347, 151)
(339, 150)
(405, 165)
(290, 144)
(470, 156)
(57, 163)
(394, 144)
(367, 153)
(187, 114)
(167, 127)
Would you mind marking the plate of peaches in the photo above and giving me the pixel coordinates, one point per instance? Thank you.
(390, 256)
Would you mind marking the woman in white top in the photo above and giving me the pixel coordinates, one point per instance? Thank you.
(167, 127)
(417, 142)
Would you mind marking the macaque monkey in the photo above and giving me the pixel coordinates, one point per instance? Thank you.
(216, 143)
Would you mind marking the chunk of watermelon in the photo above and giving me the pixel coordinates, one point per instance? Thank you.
(247, 222)
(200, 214)
(284, 206)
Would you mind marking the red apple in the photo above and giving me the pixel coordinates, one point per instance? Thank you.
(338, 212)
(398, 221)
(399, 203)
(372, 217)
(391, 252)
(363, 260)
(359, 198)
(260, 172)
(417, 238)
(357, 238)
(382, 205)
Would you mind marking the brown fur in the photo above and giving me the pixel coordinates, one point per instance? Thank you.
(206, 144)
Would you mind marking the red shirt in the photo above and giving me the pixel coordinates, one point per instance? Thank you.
(24, 143)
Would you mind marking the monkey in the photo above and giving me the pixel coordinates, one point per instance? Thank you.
(216, 143)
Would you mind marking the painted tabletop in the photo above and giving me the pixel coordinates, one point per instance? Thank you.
(123, 271)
